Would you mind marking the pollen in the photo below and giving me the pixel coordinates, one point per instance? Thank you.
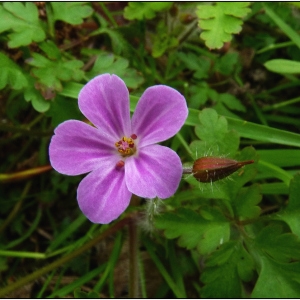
(126, 146)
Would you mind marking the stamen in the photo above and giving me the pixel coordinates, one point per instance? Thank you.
(126, 146)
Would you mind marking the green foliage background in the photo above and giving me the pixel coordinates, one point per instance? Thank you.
(237, 64)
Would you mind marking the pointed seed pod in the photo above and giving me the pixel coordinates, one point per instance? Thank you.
(208, 168)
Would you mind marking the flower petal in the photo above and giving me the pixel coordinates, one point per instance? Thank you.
(78, 148)
(155, 172)
(105, 102)
(102, 195)
(159, 114)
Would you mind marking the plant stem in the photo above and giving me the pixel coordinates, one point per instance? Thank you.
(108, 14)
(16, 208)
(184, 144)
(133, 254)
(63, 260)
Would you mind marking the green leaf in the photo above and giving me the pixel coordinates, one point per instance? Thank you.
(225, 101)
(225, 270)
(118, 42)
(162, 41)
(290, 214)
(11, 74)
(50, 49)
(214, 134)
(281, 157)
(289, 31)
(276, 253)
(283, 66)
(213, 127)
(245, 203)
(220, 21)
(283, 247)
(108, 63)
(51, 72)
(206, 230)
(37, 100)
(23, 20)
(277, 280)
(199, 64)
(147, 10)
(63, 109)
(71, 12)
(226, 63)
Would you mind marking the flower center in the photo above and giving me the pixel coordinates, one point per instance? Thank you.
(126, 146)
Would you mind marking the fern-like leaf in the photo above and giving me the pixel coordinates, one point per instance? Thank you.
(220, 21)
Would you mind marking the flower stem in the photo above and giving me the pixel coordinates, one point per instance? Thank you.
(133, 254)
(133, 260)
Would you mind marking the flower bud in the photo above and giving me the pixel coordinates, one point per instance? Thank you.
(208, 168)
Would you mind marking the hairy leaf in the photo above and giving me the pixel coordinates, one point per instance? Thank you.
(23, 20)
(214, 134)
(220, 21)
(147, 10)
(204, 231)
(71, 12)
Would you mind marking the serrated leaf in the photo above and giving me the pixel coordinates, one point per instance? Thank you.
(232, 102)
(212, 127)
(214, 134)
(23, 20)
(290, 214)
(147, 10)
(220, 21)
(226, 63)
(245, 204)
(225, 270)
(199, 64)
(277, 280)
(38, 102)
(283, 247)
(11, 74)
(71, 12)
(108, 63)
(51, 72)
(204, 232)
(50, 49)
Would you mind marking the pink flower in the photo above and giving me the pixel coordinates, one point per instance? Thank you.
(120, 154)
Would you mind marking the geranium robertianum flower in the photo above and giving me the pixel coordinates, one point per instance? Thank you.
(121, 154)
